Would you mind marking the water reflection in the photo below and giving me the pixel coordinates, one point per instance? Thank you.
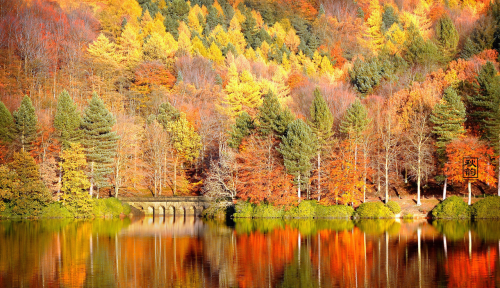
(188, 252)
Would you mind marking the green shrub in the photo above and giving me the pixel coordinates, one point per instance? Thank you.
(306, 209)
(488, 207)
(55, 210)
(267, 211)
(373, 210)
(451, 207)
(334, 211)
(394, 206)
(243, 209)
(109, 207)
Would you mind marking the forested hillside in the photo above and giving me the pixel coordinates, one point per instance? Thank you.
(261, 100)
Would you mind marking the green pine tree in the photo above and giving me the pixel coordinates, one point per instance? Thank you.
(6, 124)
(448, 118)
(355, 121)
(268, 114)
(447, 37)
(241, 129)
(99, 142)
(389, 17)
(31, 195)
(272, 117)
(487, 105)
(298, 147)
(481, 38)
(67, 120)
(321, 124)
(167, 113)
(26, 123)
(486, 101)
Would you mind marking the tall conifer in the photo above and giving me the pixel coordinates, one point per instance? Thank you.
(448, 118)
(487, 101)
(67, 119)
(6, 124)
(321, 124)
(298, 147)
(99, 142)
(26, 123)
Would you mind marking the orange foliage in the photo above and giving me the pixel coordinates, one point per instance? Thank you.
(336, 53)
(296, 79)
(436, 12)
(344, 176)
(275, 249)
(261, 174)
(458, 149)
(464, 270)
(152, 74)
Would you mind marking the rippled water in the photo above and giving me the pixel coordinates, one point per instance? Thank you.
(189, 252)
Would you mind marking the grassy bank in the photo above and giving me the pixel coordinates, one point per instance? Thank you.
(100, 208)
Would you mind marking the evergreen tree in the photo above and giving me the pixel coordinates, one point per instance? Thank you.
(486, 101)
(298, 147)
(366, 75)
(268, 114)
(272, 118)
(240, 129)
(448, 118)
(481, 38)
(355, 121)
(99, 142)
(31, 195)
(418, 50)
(6, 124)
(321, 124)
(75, 183)
(26, 123)
(447, 37)
(487, 105)
(67, 119)
(167, 113)
(389, 17)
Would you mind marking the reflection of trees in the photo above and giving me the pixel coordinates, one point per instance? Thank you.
(256, 253)
(452, 229)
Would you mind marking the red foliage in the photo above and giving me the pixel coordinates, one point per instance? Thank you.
(153, 74)
(261, 174)
(336, 53)
(296, 79)
(436, 12)
(458, 149)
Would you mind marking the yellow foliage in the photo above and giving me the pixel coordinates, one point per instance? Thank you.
(193, 21)
(184, 43)
(278, 33)
(373, 38)
(215, 54)
(130, 46)
(292, 40)
(198, 48)
(159, 48)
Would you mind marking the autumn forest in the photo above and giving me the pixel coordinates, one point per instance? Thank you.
(266, 101)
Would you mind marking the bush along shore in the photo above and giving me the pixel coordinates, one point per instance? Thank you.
(94, 208)
(306, 209)
(455, 207)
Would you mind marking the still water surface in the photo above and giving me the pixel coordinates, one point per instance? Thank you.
(190, 252)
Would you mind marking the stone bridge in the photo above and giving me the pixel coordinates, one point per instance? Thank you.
(169, 205)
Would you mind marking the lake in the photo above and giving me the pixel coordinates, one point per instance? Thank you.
(191, 252)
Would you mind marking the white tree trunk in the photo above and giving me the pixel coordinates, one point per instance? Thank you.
(470, 192)
(298, 191)
(444, 188)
